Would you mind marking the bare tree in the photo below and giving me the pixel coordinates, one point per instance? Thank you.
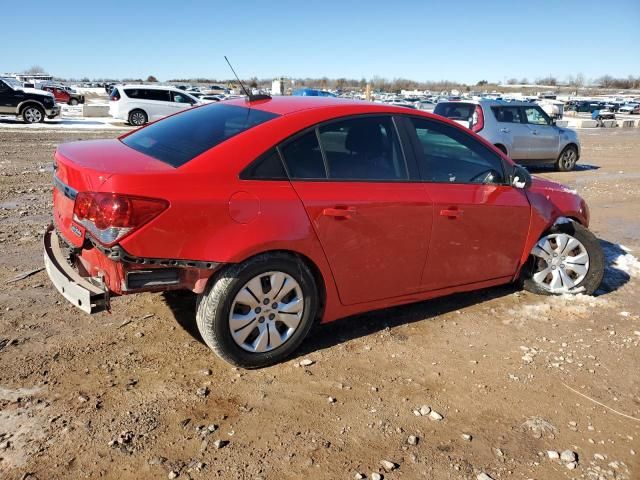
(151, 78)
(34, 69)
(512, 81)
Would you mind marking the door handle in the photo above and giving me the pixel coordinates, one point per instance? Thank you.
(534, 132)
(451, 213)
(339, 212)
(505, 130)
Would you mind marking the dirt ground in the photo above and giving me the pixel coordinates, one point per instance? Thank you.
(117, 395)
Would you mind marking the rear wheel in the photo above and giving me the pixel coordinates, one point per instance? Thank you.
(567, 259)
(73, 102)
(257, 313)
(567, 159)
(32, 114)
(138, 117)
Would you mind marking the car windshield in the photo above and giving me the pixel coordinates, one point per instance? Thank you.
(178, 139)
(13, 83)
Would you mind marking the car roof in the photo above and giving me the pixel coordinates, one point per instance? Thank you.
(283, 105)
(486, 102)
(150, 87)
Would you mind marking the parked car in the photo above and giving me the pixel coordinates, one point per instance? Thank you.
(282, 212)
(603, 114)
(64, 94)
(33, 105)
(139, 104)
(311, 92)
(631, 108)
(521, 130)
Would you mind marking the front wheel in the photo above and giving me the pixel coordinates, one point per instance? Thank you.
(73, 102)
(257, 313)
(567, 259)
(567, 159)
(32, 114)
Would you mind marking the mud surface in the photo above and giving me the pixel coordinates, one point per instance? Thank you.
(116, 395)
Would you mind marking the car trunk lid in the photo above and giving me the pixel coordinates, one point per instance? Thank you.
(85, 167)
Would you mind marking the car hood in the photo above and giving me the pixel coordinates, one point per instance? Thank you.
(36, 91)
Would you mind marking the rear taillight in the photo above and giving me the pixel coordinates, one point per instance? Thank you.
(115, 96)
(477, 120)
(111, 216)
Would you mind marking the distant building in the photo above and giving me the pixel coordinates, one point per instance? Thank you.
(29, 77)
(278, 86)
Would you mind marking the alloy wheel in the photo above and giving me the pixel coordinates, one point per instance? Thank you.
(137, 118)
(32, 115)
(561, 262)
(266, 312)
(568, 159)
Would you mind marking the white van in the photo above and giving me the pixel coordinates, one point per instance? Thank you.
(139, 104)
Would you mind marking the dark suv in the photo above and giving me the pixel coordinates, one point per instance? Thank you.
(31, 104)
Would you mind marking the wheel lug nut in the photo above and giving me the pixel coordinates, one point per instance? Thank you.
(258, 309)
(272, 316)
(261, 320)
(266, 301)
(275, 305)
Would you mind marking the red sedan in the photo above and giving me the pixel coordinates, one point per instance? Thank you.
(282, 212)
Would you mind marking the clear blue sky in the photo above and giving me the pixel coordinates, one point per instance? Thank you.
(456, 40)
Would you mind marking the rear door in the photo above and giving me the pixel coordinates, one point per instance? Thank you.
(7, 100)
(372, 221)
(513, 130)
(545, 140)
(480, 223)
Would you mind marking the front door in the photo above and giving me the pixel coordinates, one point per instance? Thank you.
(372, 222)
(544, 140)
(480, 223)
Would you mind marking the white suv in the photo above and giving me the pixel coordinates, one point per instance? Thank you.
(139, 104)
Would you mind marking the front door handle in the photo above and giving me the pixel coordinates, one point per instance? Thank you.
(505, 130)
(535, 132)
(451, 213)
(339, 212)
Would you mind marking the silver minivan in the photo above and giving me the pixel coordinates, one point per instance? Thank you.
(522, 130)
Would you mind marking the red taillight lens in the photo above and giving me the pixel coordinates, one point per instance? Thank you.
(110, 216)
(477, 122)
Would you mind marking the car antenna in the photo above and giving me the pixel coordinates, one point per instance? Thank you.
(250, 97)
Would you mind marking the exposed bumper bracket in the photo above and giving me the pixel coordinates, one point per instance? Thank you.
(78, 290)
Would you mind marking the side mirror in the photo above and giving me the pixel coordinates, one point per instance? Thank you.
(520, 177)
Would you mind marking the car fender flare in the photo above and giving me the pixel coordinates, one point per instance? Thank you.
(28, 102)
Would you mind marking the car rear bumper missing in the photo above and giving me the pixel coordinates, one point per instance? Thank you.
(78, 290)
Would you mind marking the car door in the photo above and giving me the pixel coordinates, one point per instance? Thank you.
(545, 139)
(6, 99)
(373, 222)
(513, 130)
(158, 103)
(480, 223)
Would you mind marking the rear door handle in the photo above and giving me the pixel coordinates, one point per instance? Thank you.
(535, 132)
(505, 130)
(451, 213)
(339, 212)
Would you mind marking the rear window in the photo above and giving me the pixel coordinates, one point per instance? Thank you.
(455, 110)
(180, 138)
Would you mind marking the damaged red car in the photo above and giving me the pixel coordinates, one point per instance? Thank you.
(283, 212)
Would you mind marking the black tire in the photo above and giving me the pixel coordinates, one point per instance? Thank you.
(567, 159)
(595, 273)
(214, 305)
(32, 114)
(138, 117)
(73, 102)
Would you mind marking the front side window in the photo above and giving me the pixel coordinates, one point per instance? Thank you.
(365, 148)
(156, 95)
(448, 155)
(507, 114)
(178, 139)
(180, 98)
(536, 116)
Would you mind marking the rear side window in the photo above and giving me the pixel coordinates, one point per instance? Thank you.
(507, 114)
(154, 94)
(364, 148)
(455, 110)
(267, 167)
(452, 156)
(304, 157)
(179, 138)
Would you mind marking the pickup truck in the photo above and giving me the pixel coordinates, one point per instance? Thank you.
(64, 94)
(32, 104)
